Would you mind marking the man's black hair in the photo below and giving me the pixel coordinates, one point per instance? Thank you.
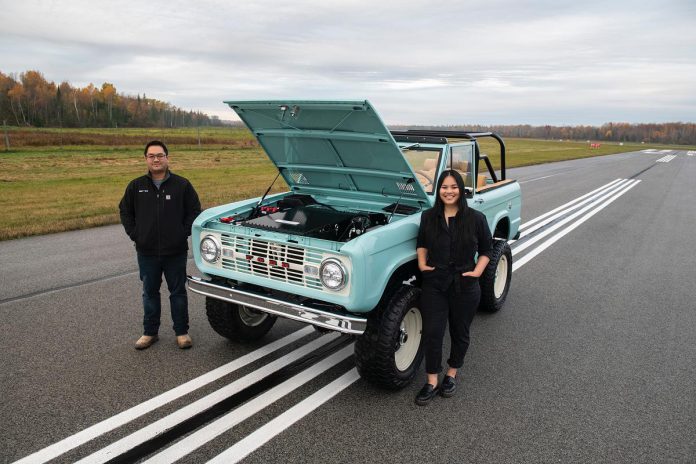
(156, 143)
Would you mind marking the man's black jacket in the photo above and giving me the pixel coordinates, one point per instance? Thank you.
(159, 220)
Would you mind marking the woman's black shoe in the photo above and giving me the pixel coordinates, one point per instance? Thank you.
(448, 387)
(426, 394)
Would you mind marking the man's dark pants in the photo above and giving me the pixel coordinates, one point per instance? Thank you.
(174, 269)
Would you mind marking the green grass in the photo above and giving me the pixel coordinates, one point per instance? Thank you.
(44, 192)
(525, 152)
(48, 189)
(23, 137)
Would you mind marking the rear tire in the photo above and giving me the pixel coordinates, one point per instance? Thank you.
(495, 280)
(390, 351)
(237, 322)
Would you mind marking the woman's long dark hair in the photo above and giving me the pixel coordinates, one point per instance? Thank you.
(464, 218)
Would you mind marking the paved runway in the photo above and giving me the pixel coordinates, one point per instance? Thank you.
(592, 359)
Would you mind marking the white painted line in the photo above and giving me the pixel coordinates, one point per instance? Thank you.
(538, 178)
(128, 415)
(255, 440)
(264, 434)
(666, 159)
(529, 256)
(558, 225)
(603, 193)
(146, 433)
(555, 210)
(218, 427)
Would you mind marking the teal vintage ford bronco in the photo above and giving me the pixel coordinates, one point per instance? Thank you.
(338, 250)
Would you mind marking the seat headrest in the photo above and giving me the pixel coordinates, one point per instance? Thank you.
(461, 166)
(429, 163)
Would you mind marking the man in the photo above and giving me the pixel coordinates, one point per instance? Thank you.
(157, 211)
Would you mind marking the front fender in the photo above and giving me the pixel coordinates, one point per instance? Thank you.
(376, 256)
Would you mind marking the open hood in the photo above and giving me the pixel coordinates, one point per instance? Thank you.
(337, 148)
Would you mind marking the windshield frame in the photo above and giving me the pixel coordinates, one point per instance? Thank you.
(407, 148)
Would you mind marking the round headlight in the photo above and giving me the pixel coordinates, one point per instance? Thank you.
(333, 274)
(210, 249)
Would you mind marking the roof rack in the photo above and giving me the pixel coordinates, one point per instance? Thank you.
(440, 136)
(404, 136)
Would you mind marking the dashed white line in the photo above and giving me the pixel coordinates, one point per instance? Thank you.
(666, 159)
(538, 178)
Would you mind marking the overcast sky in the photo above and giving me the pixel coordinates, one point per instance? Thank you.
(438, 62)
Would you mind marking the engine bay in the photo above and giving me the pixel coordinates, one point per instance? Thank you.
(302, 215)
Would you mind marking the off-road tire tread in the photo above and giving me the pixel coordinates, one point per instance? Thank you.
(489, 303)
(374, 349)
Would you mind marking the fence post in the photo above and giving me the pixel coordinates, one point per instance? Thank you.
(7, 137)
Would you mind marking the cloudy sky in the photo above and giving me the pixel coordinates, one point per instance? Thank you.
(418, 62)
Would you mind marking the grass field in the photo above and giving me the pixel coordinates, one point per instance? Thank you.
(46, 189)
(24, 137)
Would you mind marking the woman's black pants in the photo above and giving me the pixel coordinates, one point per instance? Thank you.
(437, 308)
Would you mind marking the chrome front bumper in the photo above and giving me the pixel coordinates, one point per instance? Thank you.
(337, 322)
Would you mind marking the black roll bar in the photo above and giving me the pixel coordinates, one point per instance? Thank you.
(412, 134)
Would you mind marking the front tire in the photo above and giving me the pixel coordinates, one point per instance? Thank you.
(390, 351)
(495, 280)
(237, 322)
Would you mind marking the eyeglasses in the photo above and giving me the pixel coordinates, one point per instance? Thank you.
(159, 156)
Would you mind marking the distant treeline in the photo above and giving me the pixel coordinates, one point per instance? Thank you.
(30, 100)
(669, 133)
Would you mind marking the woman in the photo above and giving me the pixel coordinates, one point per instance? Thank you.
(449, 237)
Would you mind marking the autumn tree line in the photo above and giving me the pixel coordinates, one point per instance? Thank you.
(678, 133)
(30, 100)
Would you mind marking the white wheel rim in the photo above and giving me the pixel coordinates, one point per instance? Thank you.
(501, 274)
(410, 333)
(250, 316)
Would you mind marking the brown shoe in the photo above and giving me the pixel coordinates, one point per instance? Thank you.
(184, 341)
(146, 341)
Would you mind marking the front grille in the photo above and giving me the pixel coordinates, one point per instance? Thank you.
(237, 250)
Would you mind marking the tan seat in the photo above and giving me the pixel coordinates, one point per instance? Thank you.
(429, 164)
(427, 173)
(485, 186)
(463, 168)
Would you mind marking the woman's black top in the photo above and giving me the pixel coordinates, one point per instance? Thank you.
(449, 253)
